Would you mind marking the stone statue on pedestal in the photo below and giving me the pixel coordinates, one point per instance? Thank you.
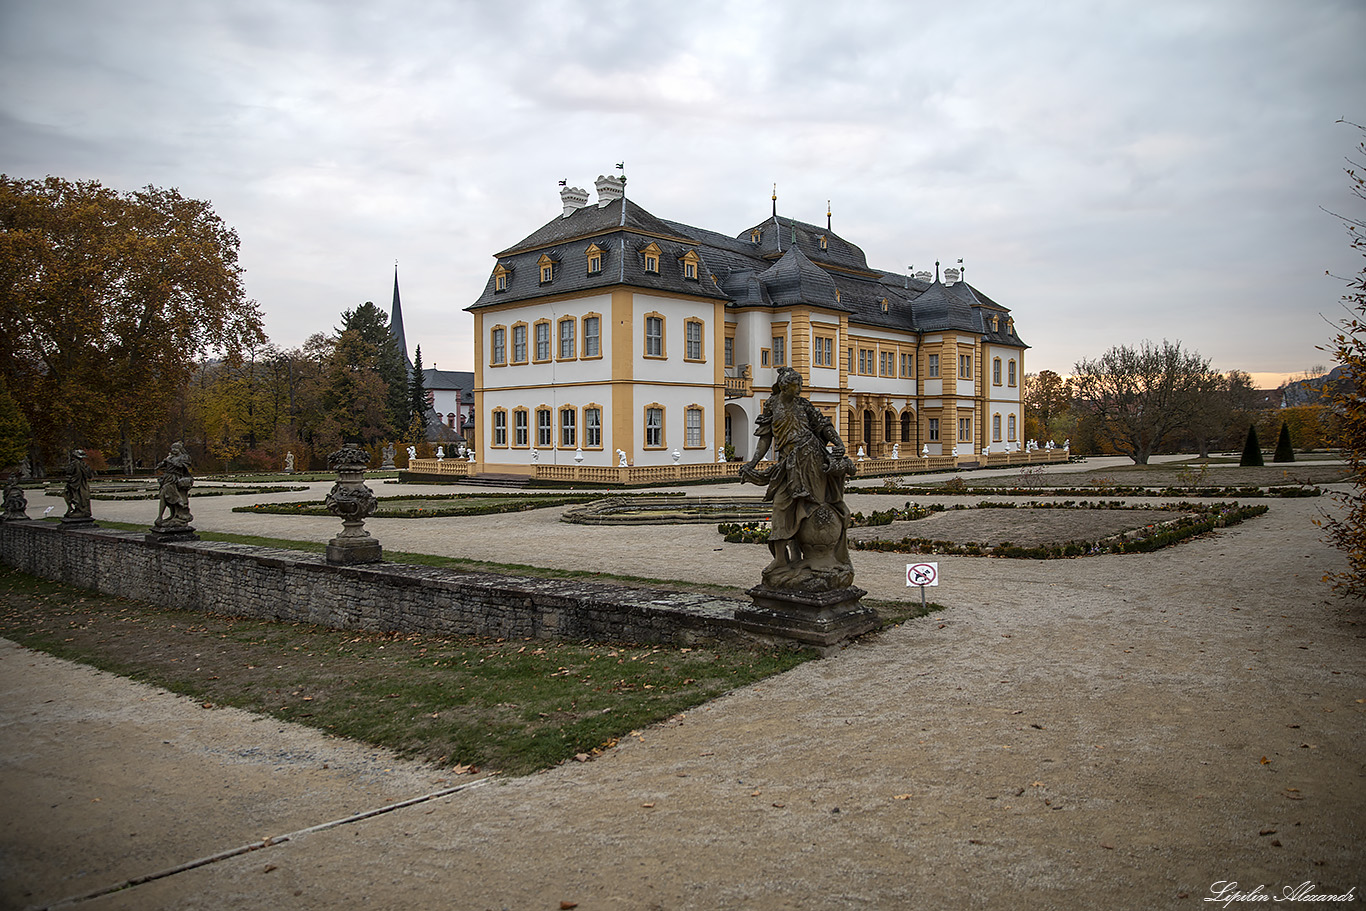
(173, 493)
(806, 486)
(77, 490)
(16, 504)
(807, 590)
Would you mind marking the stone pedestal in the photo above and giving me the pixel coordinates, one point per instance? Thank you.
(351, 500)
(345, 551)
(170, 535)
(74, 522)
(816, 618)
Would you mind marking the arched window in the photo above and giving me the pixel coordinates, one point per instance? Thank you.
(905, 426)
(1010, 424)
(996, 427)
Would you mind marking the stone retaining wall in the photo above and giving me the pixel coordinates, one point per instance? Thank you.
(262, 582)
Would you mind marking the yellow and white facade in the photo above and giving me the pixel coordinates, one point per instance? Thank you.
(610, 334)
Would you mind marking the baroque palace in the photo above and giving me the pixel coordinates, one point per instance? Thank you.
(611, 333)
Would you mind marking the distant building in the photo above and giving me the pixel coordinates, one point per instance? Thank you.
(609, 329)
(450, 393)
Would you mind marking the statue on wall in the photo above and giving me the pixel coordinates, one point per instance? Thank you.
(289, 463)
(806, 486)
(77, 490)
(174, 490)
(16, 504)
(412, 453)
(388, 454)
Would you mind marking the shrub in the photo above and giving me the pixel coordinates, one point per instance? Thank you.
(1252, 450)
(1284, 451)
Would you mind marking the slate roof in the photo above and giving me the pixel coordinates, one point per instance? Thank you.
(784, 267)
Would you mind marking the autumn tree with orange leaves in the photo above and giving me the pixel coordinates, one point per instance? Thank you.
(108, 300)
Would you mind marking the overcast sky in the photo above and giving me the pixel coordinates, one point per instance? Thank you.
(1111, 171)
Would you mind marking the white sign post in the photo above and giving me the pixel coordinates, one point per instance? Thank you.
(922, 575)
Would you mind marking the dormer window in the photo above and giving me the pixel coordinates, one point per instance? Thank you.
(824, 245)
(996, 324)
(885, 305)
(594, 259)
(547, 267)
(500, 278)
(652, 258)
(690, 261)
(755, 235)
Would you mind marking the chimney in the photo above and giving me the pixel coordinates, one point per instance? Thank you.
(610, 189)
(574, 198)
(950, 275)
(923, 276)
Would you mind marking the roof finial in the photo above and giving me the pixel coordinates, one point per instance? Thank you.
(827, 215)
(775, 200)
(936, 270)
(962, 270)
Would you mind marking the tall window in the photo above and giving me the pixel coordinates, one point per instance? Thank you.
(822, 353)
(933, 370)
(519, 428)
(907, 365)
(654, 427)
(905, 427)
(965, 365)
(569, 430)
(996, 427)
(934, 429)
(887, 426)
(499, 345)
(779, 350)
(1012, 372)
(547, 273)
(542, 341)
(500, 282)
(594, 263)
(592, 428)
(566, 339)
(1010, 426)
(544, 435)
(692, 337)
(500, 428)
(730, 352)
(964, 429)
(654, 336)
(592, 336)
(519, 344)
(692, 419)
(996, 371)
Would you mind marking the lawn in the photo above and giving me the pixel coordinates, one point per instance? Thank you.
(509, 705)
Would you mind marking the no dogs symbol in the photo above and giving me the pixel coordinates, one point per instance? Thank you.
(922, 574)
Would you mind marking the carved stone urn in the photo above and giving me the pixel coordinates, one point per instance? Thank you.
(352, 502)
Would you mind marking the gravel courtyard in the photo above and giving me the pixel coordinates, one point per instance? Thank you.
(1113, 731)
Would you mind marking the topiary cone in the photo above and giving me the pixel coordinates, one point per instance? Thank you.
(1252, 450)
(1284, 451)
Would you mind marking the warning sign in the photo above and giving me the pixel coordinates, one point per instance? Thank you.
(922, 574)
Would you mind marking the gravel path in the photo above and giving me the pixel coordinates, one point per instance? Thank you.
(1110, 732)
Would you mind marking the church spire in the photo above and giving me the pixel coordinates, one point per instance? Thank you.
(396, 323)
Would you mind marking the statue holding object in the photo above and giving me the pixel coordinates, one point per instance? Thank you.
(808, 539)
(173, 493)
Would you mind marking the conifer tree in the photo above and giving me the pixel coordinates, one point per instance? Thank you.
(1252, 450)
(417, 397)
